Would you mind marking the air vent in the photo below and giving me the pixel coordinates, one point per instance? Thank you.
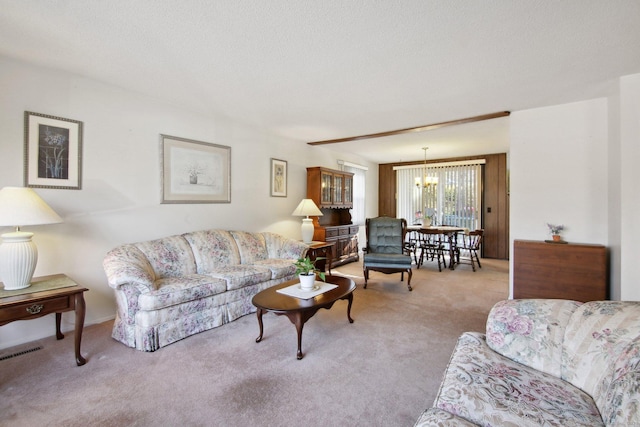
(20, 353)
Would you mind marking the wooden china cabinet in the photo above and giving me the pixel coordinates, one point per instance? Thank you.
(332, 191)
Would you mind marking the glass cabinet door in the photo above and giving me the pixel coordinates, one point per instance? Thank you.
(325, 193)
(337, 189)
(348, 189)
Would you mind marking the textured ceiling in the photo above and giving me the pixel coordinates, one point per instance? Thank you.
(314, 70)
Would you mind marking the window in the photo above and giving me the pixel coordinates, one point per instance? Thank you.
(445, 194)
(357, 213)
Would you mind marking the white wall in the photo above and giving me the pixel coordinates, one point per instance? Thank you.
(120, 197)
(630, 183)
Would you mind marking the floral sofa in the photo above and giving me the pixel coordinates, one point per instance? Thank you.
(170, 288)
(545, 363)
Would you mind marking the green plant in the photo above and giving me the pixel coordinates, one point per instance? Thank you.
(306, 266)
(555, 229)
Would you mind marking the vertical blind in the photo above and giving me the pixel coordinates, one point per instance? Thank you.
(448, 195)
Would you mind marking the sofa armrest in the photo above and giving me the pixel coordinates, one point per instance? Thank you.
(531, 331)
(284, 248)
(127, 264)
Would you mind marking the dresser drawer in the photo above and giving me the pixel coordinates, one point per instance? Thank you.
(36, 309)
(344, 231)
(331, 232)
(354, 229)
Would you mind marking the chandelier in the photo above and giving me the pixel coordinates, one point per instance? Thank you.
(426, 181)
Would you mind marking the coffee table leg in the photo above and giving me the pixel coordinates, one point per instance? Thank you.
(259, 314)
(299, 325)
(350, 298)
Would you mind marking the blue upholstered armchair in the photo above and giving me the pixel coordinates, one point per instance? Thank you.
(385, 250)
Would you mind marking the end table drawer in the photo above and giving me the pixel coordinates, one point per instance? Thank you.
(35, 309)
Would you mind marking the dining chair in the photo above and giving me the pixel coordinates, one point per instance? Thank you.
(431, 246)
(468, 251)
(385, 251)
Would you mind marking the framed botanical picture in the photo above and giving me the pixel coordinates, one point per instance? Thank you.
(194, 171)
(278, 178)
(52, 152)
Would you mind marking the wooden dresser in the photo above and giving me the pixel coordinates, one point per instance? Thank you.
(565, 271)
(332, 191)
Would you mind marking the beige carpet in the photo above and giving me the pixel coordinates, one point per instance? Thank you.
(382, 370)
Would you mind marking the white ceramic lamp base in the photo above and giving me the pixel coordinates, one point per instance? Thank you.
(18, 258)
(307, 230)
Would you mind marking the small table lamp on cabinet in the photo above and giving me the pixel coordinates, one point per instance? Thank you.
(306, 208)
(18, 254)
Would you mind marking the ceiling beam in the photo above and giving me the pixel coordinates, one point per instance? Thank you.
(415, 129)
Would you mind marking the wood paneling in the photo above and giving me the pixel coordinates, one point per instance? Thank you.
(495, 199)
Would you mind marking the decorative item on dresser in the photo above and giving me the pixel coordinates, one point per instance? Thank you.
(332, 191)
(21, 206)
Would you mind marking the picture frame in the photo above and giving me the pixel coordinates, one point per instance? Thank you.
(194, 171)
(278, 178)
(52, 152)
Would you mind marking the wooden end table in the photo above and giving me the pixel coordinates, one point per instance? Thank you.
(46, 301)
(300, 310)
(321, 250)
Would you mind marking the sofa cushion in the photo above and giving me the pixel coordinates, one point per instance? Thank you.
(177, 290)
(252, 246)
(213, 249)
(622, 400)
(487, 388)
(239, 276)
(279, 267)
(169, 256)
(599, 342)
(530, 331)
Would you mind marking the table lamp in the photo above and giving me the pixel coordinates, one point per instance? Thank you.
(21, 206)
(306, 208)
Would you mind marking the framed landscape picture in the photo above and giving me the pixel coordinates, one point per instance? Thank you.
(52, 152)
(278, 178)
(194, 171)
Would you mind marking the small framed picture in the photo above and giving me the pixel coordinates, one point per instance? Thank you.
(278, 178)
(194, 171)
(52, 152)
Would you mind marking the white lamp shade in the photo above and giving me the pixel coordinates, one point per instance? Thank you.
(22, 206)
(18, 254)
(306, 208)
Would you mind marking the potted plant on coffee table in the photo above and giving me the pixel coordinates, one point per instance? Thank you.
(306, 271)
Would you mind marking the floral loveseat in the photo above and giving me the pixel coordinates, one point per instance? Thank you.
(170, 288)
(545, 363)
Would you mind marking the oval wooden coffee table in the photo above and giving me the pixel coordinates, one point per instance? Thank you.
(300, 310)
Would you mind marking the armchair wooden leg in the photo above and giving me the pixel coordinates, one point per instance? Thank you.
(409, 273)
(366, 277)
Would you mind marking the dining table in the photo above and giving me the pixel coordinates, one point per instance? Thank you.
(449, 231)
